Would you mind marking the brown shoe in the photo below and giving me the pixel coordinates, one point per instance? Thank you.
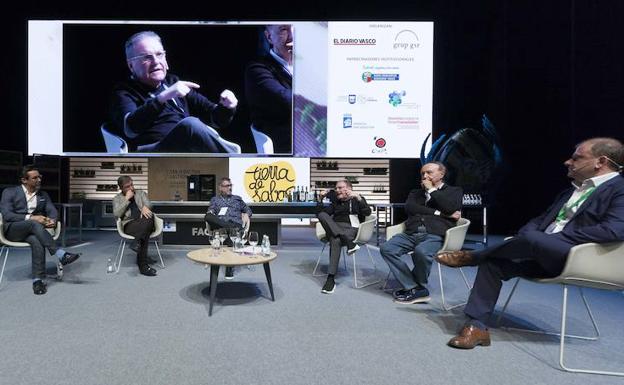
(458, 258)
(469, 337)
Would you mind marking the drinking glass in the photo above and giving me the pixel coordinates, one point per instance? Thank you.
(223, 235)
(234, 236)
(253, 240)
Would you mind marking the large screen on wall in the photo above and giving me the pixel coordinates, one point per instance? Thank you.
(307, 89)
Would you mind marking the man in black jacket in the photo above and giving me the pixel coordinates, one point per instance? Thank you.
(268, 86)
(158, 112)
(432, 209)
(340, 221)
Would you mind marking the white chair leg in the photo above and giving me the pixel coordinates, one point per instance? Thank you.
(355, 282)
(119, 258)
(444, 304)
(562, 335)
(553, 333)
(5, 250)
(162, 263)
(318, 261)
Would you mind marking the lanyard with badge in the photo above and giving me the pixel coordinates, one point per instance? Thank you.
(223, 210)
(561, 216)
(353, 218)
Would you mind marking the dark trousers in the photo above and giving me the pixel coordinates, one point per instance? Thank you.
(39, 239)
(217, 223)
(189, 135)
(338, 235)
(141, 229)
(534, 254)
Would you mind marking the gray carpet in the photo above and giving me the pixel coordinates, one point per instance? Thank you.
(94, 328)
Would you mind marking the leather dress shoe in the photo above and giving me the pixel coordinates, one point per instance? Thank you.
(147, 270)
(39, 287)
(469, 337)
(457, 258)
(69, 258)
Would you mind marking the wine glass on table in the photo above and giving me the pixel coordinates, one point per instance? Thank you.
(253, 241)
(235, 237)
(222, 235)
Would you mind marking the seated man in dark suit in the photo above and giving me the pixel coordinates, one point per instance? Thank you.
(268, 87)
(27, 212)
(341, 220)
(591, 211)
(431, 210)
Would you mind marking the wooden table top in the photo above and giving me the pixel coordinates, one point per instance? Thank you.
(227, 257)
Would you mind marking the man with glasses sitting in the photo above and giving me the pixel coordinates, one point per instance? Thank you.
(158, 112)
(228, 211)
(27, 213)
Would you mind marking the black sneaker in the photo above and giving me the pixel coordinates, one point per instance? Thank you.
(329, 286)
(415, 295)
(39, 287)
(398, 294)
(147, 270)
(69, 258)
(229, 273)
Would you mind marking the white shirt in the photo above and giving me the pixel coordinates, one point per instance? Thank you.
(570, 206)
(428, 196)
(284, 63)
(31, 201)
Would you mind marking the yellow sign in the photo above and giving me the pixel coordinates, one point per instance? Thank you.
(270, 182)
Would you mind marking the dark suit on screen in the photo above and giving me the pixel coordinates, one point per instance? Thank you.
(268, 89)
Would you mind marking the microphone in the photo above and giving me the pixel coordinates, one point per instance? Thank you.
(616, 164)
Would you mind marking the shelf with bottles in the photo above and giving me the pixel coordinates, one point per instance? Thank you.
(375, 170)
(106, 187)
(82, 173)
(131, 169)
(472, 200)
(327, 165)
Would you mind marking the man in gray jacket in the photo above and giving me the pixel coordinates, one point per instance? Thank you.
(133, 207)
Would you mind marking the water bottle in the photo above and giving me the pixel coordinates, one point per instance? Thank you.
(110, 268)
(266, 245)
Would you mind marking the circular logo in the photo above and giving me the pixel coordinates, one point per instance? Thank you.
(367, 77)
(380, 143)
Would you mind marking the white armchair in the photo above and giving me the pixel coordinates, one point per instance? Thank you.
(364, 234)
(592, 265)
(453, 240)
(158, 228)
(7, 245)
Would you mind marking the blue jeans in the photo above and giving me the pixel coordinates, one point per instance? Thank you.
(424, 246)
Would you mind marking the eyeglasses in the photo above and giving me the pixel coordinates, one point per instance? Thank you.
(149, 58)
(226, 185)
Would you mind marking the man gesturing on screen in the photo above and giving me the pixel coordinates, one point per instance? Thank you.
(158, 112)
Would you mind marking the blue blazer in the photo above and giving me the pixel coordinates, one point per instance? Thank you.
(14, 208)
(599, 219)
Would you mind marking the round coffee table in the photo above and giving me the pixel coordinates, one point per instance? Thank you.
(228, 258)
